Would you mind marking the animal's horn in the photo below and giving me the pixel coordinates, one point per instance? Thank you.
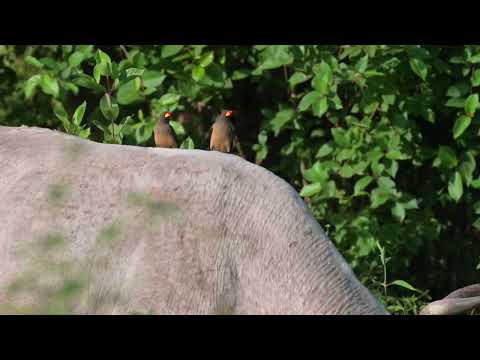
(457, 302)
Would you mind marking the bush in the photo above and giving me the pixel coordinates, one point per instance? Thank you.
(380, 140)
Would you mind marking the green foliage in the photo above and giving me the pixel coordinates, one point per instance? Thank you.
(381, 139)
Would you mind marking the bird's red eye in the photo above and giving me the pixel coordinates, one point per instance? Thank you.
(229, 113)
(167, 114)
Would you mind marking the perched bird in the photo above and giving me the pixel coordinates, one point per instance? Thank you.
(164, 135)
(223, 133)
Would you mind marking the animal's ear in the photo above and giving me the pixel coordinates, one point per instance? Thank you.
(458, 302)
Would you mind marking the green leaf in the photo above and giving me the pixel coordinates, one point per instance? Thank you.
(324, 150)
(398, 212)
(403, 284)
(372, 73)
(169, 99)
(98, 70)
(297, 78)
(240, 74)
(85, 49)
(317, 173)
(412, 204)
(475, 59)
(346, 171)
(447, 157)
(31, 85)
(360, 167)
(467, 168)
(170, 50)
(130, 72)
(362, 64)
(371, 108)
(79, 112)
(377, 168)
(345, 154)
(311, 189)
(60, 112)
(320, 108)
(476, 225)
(330, 189)
(128, 93)
(458, 90)
(275, 56)
(308, 100)
(386, 184)
(456, 103)
(324, 76)
(378, 197)
(419, 68)
(50, 63)
(215, 76)
(88, 82)
(70, 86)
(197, 50)
(109, 108)
(33, 61)
(178, 128)
(187, 144)
(103, 57)
(340, 137)
(457, 60)
(49, 85)
(455, 186)
(84, 133)
(461, 124)
(337, 102)
(206, 59)
(476, 78)
(476, 208)
(396, 155)
(198, 73)
(137, 82)
(471, 105)
(361, 184)
(475, 184)
(281, 119)
(76, 59)
(153, 78)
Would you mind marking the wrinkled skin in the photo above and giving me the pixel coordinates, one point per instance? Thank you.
(217, 235)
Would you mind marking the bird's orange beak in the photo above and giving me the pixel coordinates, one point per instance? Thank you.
(167, 114)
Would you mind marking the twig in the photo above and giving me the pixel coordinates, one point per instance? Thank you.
(285, 73)
(125, 52)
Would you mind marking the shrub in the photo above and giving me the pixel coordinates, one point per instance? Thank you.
(380, 140)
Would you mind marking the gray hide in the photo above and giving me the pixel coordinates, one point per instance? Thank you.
(211, 233)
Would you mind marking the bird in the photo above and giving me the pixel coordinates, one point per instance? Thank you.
(163, 133)
(223, 133)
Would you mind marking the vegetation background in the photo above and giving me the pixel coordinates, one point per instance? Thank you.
(380, 140)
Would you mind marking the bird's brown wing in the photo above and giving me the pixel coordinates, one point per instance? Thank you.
(232, 136)
(165, 136)
(174, 135)
(211, 137)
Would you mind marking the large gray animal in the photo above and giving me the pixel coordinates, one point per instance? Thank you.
(189, 232)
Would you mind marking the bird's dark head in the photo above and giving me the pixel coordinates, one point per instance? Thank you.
(167, 116)
(226, 115)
